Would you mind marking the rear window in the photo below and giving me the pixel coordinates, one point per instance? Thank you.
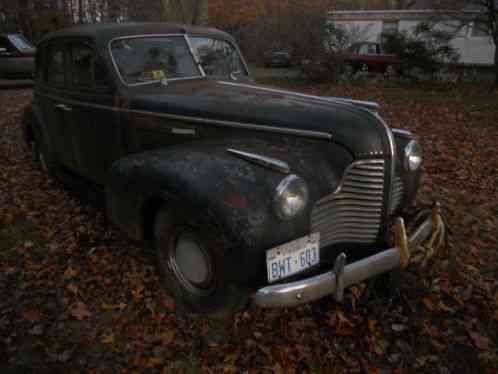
(21, 42)
(55, 66)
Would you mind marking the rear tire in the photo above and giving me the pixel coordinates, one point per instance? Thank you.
(193, 267)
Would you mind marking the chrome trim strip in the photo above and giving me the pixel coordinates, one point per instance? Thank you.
(333, 282)
(238, 125)
(393, 156)
(268, 162)
(355, 164)
(196, 58)
(366, 104)
(403, 132)
(184, 36)
(179, 131)
(370, 105)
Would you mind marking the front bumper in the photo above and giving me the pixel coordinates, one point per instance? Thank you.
(342, 276)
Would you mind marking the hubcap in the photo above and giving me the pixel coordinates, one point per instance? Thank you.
(191, 263)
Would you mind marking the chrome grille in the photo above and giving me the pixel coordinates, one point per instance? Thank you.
(353, 213)
(396, 195)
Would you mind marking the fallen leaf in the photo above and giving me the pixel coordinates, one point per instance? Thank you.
(70, 272)
(36, 330)
(341, 324)
(72, 288)
(108, 339)
(168, 303)
(154, 361)
(79, 311)
(371, 325)
(119, 306)
(168, 337)
(429, 304)
(481, 342)
(398, 327)
(32, 316)
(137, 292)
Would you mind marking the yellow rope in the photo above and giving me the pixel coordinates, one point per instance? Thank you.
(435, 242)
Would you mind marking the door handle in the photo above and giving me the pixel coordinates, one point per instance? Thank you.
(64, 107)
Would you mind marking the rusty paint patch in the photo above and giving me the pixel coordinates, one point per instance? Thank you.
(237, 201)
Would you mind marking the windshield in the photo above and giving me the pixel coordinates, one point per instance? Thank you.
(141, 60)
(217, 57)
(21, 43)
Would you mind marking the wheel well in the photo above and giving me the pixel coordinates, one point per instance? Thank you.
(29, 134)
(149, 213)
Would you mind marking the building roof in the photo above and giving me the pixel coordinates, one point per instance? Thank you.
(401, 14)
(104, 32)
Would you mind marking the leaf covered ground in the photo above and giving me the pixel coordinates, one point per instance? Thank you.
(77, 296)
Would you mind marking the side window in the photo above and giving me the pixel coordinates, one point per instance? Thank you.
(86, 71)
(82, 66)
(364, 49)
(55, 66)
(217, 57)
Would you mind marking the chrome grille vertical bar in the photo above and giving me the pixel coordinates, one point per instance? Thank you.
(353, 213)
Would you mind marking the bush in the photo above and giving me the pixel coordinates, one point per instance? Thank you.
(426, 50)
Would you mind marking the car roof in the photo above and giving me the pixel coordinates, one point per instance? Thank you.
(105, 32)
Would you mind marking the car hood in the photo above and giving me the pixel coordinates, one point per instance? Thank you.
(223, 103)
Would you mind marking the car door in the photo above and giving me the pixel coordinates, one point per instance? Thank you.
(97, 139)
(6, 57)
(51, 94)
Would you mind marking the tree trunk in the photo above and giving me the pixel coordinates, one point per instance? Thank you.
(496, 63)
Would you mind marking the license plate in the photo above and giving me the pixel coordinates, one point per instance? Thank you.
(293, 257)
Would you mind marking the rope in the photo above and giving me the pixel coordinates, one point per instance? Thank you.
(438, 239)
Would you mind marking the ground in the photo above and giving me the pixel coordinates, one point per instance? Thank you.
(77, 296)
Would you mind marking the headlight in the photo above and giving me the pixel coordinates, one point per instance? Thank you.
(291, 197)
(413, 156)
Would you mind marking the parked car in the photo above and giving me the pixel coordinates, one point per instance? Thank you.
(278, 58)
(373, 57)
(17, 56)
(246, 192)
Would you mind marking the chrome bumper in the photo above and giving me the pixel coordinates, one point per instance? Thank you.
(342, 276)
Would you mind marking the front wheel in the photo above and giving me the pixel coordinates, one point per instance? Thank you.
(193, 267)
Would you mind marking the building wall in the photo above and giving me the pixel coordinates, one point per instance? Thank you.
(472, 49)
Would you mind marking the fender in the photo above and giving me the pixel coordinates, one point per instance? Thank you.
(34, 125)
(216, 186)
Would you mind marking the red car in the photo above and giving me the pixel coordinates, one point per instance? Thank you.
(373, 56)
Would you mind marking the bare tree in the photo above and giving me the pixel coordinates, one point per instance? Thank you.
(184, 11)
(480, 14)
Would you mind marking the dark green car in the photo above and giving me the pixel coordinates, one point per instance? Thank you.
(247, 192)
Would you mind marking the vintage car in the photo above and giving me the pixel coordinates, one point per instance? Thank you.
(17, 56)
(373, 56)
(246, 192)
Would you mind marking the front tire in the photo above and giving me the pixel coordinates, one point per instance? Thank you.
(193, 267)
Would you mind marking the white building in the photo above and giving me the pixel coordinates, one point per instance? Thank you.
(473, 45)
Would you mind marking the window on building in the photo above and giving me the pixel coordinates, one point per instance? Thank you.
(390, 26)
(368, 49)
(480, 30)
